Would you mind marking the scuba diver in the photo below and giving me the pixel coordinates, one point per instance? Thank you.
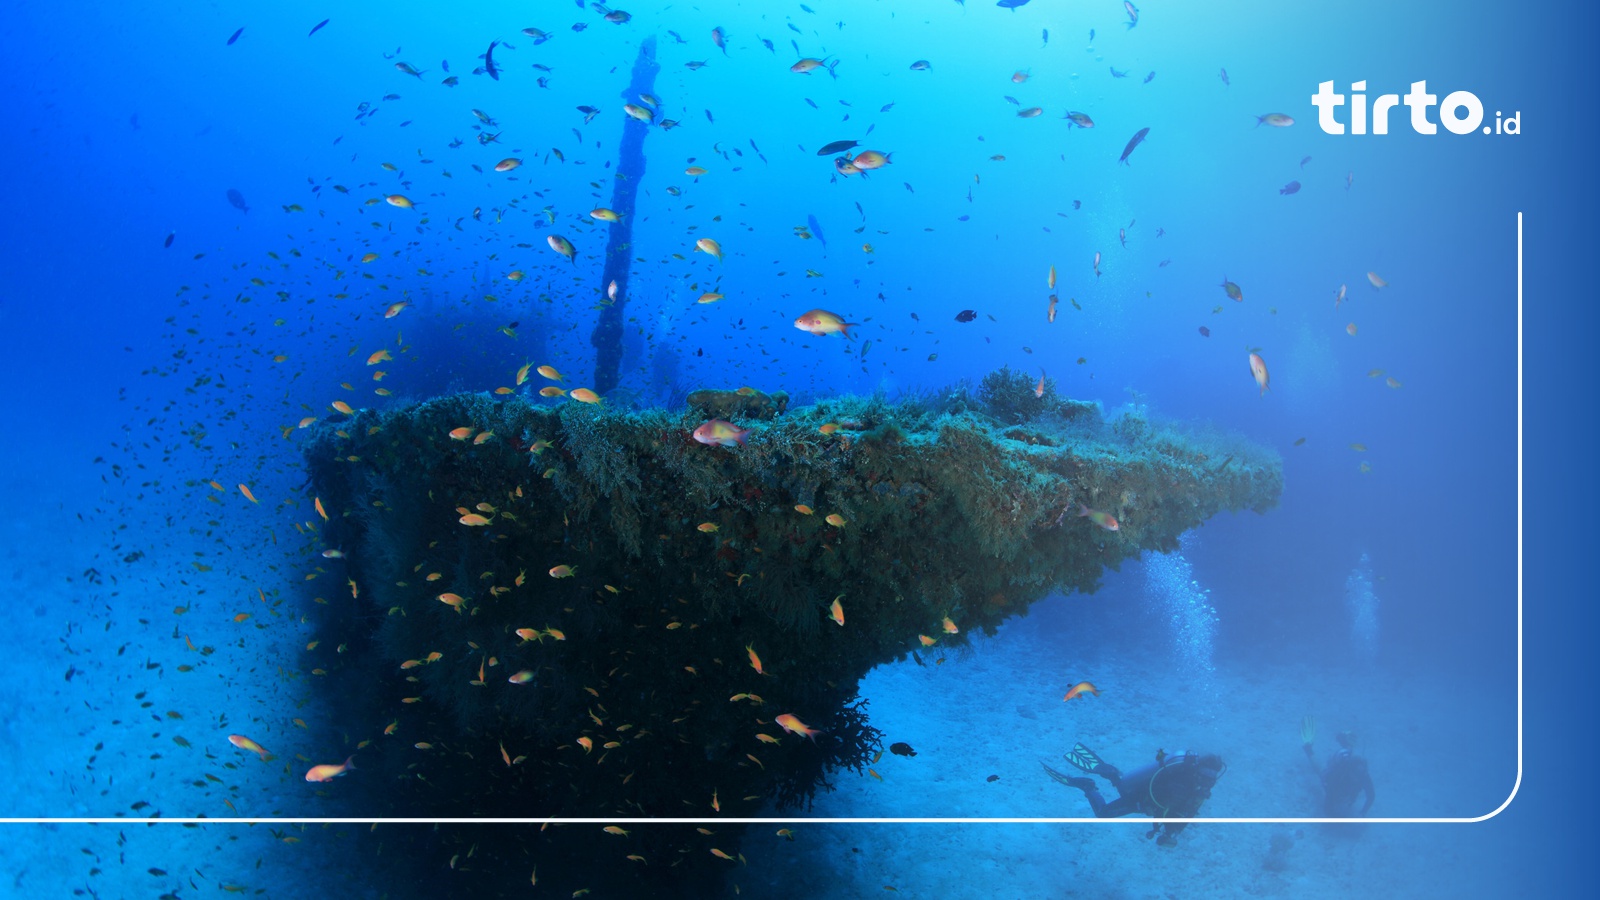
(1344, 777)
(1173, 786)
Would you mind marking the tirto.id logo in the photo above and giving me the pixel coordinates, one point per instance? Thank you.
(1460, 113)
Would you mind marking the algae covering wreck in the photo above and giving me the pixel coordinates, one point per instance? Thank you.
(621, 614)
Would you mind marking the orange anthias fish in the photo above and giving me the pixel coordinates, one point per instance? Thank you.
(836, 611)
(822, 323)
(1080, 689)
(1258, 368)
(244, 743)
(562, 246)
(755, 661)
(1104, 520)
(1038, 390)
(330, 772)
(721, 433)
(794, 726)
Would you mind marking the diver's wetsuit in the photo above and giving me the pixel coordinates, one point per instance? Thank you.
(1343, 779)
(1172, 788)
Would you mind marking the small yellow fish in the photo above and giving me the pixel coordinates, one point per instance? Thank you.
(927, 641)
(836, 611)
(706, 527)
(378, 357)
(584, 395)
(949, 626)
(563, 571)
(835, 520)
(343, 407)
(551, 390)
(709, 298)
(474, 519)
(694, 171)
(709, 246)
(550, 373)
(507, 164)
(605, 215)
(803, 509)
(399, 200)
(394, 309)
(461, 434)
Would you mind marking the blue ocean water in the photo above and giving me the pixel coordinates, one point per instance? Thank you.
(159, 336)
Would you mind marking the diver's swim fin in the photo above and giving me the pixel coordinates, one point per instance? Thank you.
(1060, 778)
(1084, 758)
(1308, 730)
